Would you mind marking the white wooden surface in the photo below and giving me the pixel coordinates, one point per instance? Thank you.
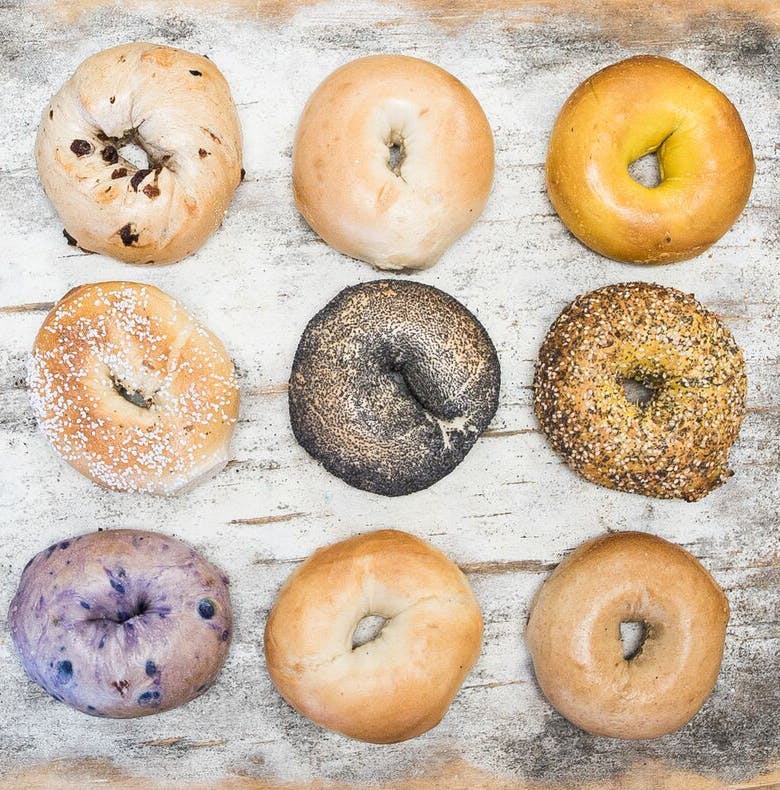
(511, 510)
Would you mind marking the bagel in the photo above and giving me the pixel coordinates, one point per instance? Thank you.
(392, 161)
(392, 384)
(397, 685)
(641, 106)
(131, 390)
(677, 444)
(122, 623)
(573, 635)
(174, 105)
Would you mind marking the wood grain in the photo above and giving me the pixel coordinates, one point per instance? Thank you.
(510, 511)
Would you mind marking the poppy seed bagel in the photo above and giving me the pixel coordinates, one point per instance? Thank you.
(391, 385)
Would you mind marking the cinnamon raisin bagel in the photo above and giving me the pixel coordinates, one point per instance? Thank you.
(131, 390)
(676, 444)
(574, 636)
(177, 108)
(644, 105)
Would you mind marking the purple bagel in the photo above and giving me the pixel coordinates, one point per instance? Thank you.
(122, 623)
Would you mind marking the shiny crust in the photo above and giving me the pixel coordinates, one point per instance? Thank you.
(400, 684)
(618, 115)
(677, 445)
(133, 335)
(343, 184)
(122, 623)
(573, 634)
(391, 386)
(178, 107)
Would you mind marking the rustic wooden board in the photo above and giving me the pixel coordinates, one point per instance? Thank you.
(510, 511)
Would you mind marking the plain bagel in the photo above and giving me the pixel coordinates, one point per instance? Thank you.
(574, 636)
(645, 105)
(174, 105)
(122, 623)
(397, 685)
(393, 161)
(131, 390)
(392, 384)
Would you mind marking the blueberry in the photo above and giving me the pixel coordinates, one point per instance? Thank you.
(149, 698)
(65, 671)
(122, 616)
(151, 668)
(85, 605)
(120, 588)
(224, 636)
(207, 609)
(64, 544)
(102, 642)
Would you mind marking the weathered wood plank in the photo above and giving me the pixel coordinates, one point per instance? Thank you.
(511, 510)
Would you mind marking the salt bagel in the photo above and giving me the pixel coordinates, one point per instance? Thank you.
(674, 446)
(392, 384)
(177, 107)
(573, 635)
(393, 161)
(131, 390)
(401, 683)
(642, 105)
(122, 623)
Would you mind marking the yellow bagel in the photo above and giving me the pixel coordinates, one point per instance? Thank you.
(636, 107)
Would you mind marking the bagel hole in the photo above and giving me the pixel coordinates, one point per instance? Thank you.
(646, 170)
(638, 393)
(396, 153)
(139, 608)
(632, 634)
(132, 396)
(367, 629)
(135, 154)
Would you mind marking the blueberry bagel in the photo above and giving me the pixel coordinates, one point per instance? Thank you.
(676, 444)
(122, 623)
(173, 105)
(391, 385)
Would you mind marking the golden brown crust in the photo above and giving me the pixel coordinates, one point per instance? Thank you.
(103, 338)
(675, 446)
(175, 105)
(344, 185)
(573, 634)
(415, 666)
(632, 108)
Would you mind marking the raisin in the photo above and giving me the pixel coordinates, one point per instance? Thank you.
(120, 172)
(151, 191)
(196, 73)
(81, 147)
(138, 177)
(127, 235)
(110, 155)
